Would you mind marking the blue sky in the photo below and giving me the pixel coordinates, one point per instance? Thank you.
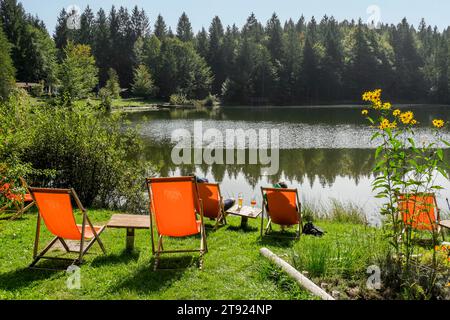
(236, 11)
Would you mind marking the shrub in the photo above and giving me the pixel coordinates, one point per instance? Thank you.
(38, 90)
(83, 148)
(210, 101)
(105, 99)
(179, 99)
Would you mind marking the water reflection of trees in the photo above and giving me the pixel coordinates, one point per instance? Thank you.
(296, 164)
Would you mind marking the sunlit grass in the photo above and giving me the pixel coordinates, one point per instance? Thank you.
(233, 268)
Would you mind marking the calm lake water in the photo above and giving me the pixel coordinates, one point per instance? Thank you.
(325, 152)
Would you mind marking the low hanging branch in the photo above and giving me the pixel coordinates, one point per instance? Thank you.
(303, 281)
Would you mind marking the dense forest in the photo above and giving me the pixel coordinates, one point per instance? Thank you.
(287, 63)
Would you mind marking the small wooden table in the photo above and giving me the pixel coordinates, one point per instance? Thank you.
(245, 213)
(129, 222)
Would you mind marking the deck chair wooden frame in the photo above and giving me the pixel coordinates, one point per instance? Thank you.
(265, 231)
(437, 216)
(20, 207)
(159, 250)
(84, 247)
(221, 218)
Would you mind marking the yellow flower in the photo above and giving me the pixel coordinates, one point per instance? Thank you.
(372, 96)
(438, 123)
(385, 124)
(366, 96)
(365, 112)
(396, 113)
(414, 122)
(377, 104)
(407, 117)
(387, 106)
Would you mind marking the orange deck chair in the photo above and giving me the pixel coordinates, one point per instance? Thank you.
(55, 208)
(22, 202)
(282, 207)
(212, 201)
(173, 203)
(420, 212)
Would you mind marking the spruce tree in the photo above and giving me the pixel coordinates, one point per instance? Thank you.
(184, 29)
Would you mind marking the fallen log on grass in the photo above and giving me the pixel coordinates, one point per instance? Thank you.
(303, 281)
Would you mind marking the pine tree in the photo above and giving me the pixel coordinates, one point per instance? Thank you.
(184, 29)
(409, 82)
(215, 56)
(202, 43)
(7, 70)
(275, 37)
(86, 33)
(102, 45)
(253, 29)
(332, 61)
(160, 28)
(140, 25)
(62, 33)
(143, 85)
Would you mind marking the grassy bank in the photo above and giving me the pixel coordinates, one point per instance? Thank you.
(233, 268)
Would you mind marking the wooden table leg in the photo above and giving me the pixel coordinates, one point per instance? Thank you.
(244, 222)
(130, 239)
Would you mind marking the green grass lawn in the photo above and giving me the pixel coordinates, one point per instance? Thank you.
(233, 268)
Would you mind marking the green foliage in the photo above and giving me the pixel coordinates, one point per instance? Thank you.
(181, 69)
(7, 71)
(106, 99)
(113, 85)
(80, 148)
(346, 250)
(143, 85)
(303, 62)
(184, 29)
(41, 53)
(407, 168)
(179, 99)
(78, 72)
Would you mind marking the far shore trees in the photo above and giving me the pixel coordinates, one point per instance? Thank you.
(78, 73)
(295, 62)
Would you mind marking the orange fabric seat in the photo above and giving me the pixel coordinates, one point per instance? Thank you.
(419, 211)
(173, 205)
(88, 233)
(282, 207)
(212, 202)
(55, 208)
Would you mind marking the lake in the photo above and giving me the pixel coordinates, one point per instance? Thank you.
(325, 151)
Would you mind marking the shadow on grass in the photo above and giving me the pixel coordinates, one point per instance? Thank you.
(278, 239)
(247, 229)
(23, 277)
(121, 258)
(145, 279)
